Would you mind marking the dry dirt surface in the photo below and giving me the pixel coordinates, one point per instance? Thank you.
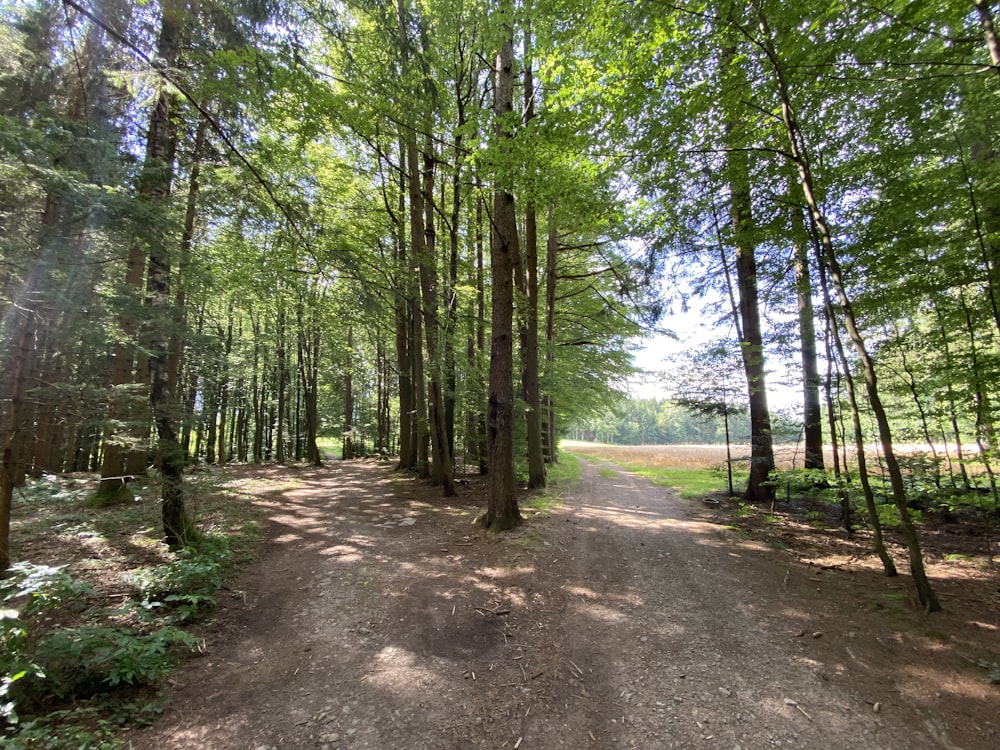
(377, 616)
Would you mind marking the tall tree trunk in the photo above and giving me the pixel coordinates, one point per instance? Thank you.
(859, 439)
(177, 336)
(952, 401)
(752, 342)
(347, 450)
(443, 471)
(828, 261)
(527, 275)
(153, 187)
(551, 274)
(281, 356)
(23, 322)
(985, 429)
(812, 415)
(223, 452)
(502, 511)
(407, 448)
(418, 264)
(309, 343)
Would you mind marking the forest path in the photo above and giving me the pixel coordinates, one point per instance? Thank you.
(378, 617)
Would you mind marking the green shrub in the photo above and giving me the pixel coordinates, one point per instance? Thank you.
(90, 659)
(889, 516)
(186, 585)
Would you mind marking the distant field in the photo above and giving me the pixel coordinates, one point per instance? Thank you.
(677, 456)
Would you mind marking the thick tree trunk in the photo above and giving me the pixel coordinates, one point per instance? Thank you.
(153, 187)
(502, 511)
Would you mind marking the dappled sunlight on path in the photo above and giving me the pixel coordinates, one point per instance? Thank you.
(379, 617)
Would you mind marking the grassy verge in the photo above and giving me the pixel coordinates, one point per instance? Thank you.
(559, 477)
(97, 609)
(694, 471)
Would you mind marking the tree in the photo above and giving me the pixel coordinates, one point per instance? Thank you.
(502, 511)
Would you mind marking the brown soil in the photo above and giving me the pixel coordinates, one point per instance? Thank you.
(377, 616)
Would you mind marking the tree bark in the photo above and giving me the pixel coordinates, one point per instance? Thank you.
(528, 281)
(347, 451)
(551, 274)
(812, 414)
(751, 343)
(502, 510)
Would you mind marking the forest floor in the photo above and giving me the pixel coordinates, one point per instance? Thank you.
(378, 616)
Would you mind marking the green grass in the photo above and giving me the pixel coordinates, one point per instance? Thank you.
(690, 483)
(330, 445)
(567, 472)
(559, 476)
(694, 471)
(607, 473)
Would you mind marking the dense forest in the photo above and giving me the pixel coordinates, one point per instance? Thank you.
(432, 229)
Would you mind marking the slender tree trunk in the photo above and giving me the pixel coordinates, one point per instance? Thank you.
(952, 402)
(443, 471)
(347, 451)
(502, 511)
(15, 378)
(223, 453)
(831, 411)
(859, 441)
(914, 388)
(282, 378)
(551, 274)
(407, 448)
(828, 260)
(751, 342)
(527, 275)
(812, 415)
(985, 431)
(309, 342)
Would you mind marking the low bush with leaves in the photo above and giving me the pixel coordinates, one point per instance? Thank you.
(47, 664)
(186, 586)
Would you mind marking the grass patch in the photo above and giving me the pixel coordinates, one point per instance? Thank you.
(607, 473)
(559, 476)
(330, 446)
(566, 472)
(689, 483)
(693, 470)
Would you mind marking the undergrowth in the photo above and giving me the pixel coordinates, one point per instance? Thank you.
(79, 658)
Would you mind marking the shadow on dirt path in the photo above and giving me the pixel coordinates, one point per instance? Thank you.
(377, 617)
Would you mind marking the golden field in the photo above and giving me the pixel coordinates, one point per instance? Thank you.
(679, 456)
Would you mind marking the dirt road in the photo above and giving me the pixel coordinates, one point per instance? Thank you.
(378, 617)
